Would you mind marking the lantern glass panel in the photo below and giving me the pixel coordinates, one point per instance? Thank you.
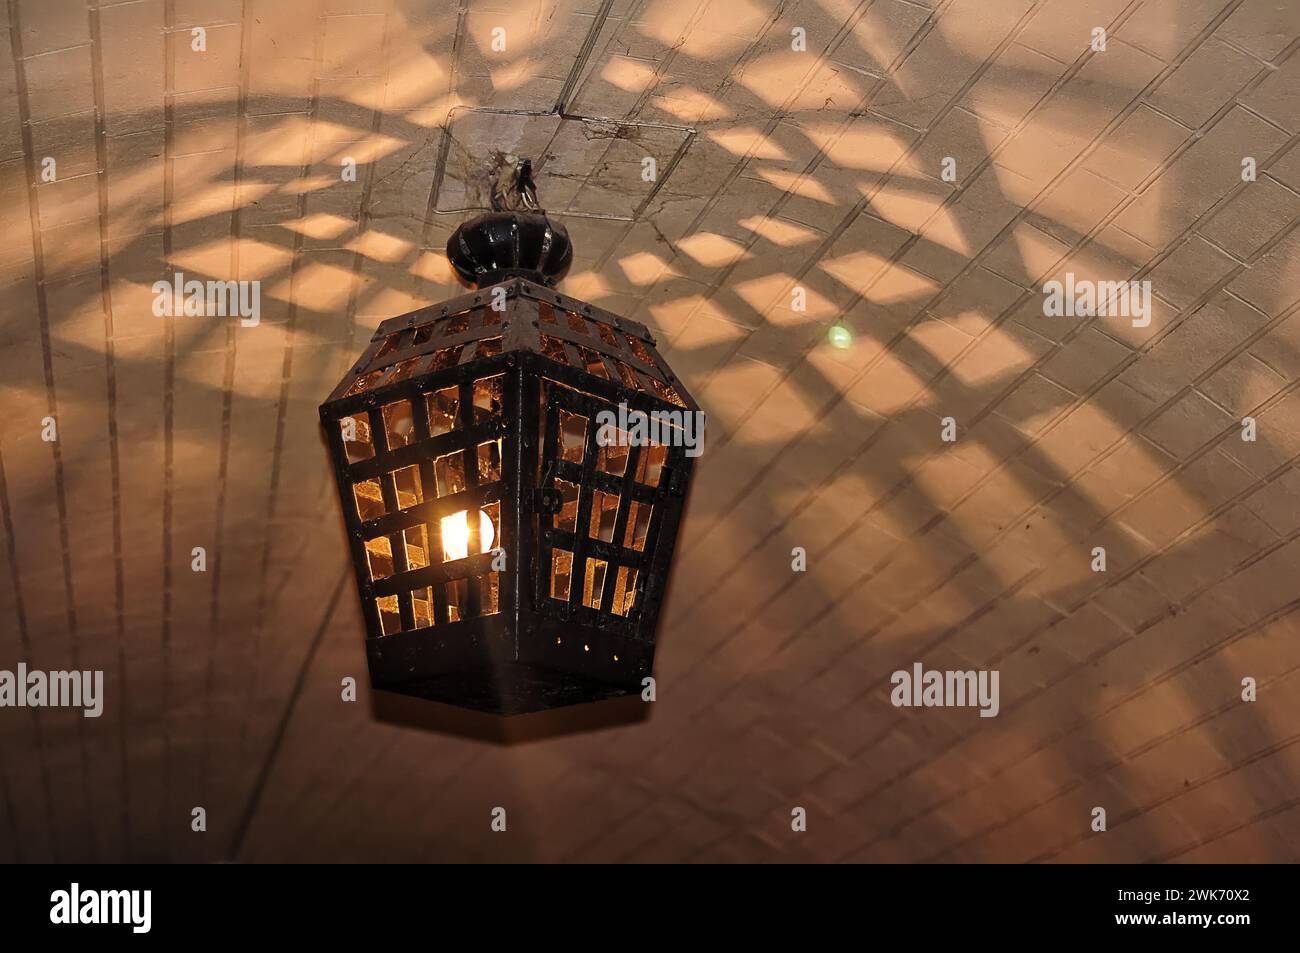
(369, 499)
(554, 349)
(487, 397)
(405, 370)
(422, 605)
(409, 489)
(450, 471)
(567, 518)
(592, 362)
(380, 554)
(561, 571)
(604, 511)
(638, 525)
(389, 617)
(446, 357)
(364, 382)
(489, 462)
(490, 590)
(650, 467)
(573, 436)
(416, 539)
(612, 457)
(457, 599)
(399, 424)
(442, 406)
(624, 590)
(356, 437)
(594, 584)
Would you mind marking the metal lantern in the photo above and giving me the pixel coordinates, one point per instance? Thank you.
(511, 546)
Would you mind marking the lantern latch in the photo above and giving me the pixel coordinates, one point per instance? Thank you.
(676, 481)
(547, 498)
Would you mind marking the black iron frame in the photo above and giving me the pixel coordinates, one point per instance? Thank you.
(535, 652)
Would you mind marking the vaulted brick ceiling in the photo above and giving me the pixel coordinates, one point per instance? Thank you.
(775, 170)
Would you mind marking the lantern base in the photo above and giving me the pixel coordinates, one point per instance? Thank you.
(478, 665)
(512, 689)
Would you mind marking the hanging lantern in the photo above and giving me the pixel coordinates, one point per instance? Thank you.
(512, 466)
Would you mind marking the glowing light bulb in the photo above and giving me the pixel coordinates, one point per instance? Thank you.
(455, 534)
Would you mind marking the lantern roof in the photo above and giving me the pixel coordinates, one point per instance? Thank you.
(516, 314)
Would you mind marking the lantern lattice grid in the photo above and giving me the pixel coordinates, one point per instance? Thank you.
(488, 404)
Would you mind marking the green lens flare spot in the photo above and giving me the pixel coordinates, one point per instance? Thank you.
(839, 336)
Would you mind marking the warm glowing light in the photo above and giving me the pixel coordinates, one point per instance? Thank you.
(840, 336)
(455, 534)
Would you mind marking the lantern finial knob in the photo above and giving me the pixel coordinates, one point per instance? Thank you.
(515, 239)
